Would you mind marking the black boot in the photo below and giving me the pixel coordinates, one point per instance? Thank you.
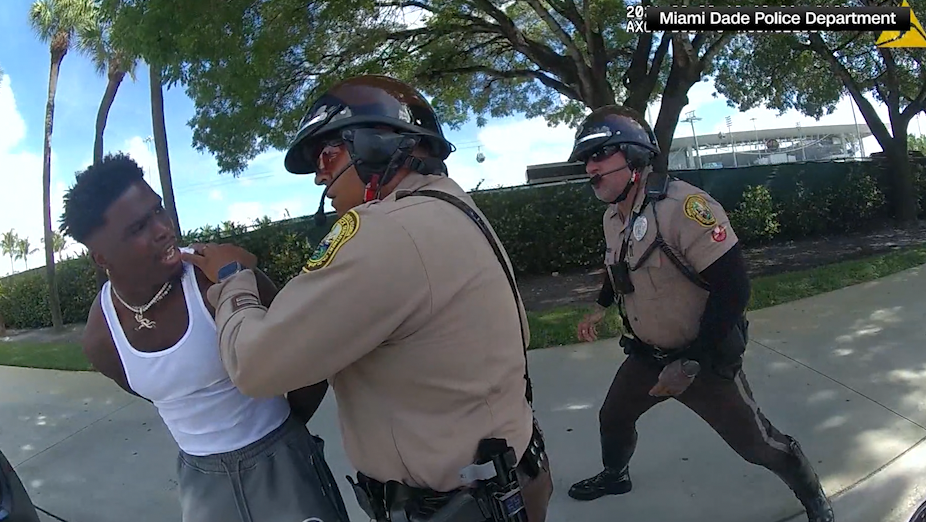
(805, 484)
(608, 482)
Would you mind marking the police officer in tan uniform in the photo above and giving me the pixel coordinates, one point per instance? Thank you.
(408, 308)
(678, 277)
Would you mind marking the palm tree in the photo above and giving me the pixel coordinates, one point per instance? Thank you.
(9, 243)
(56, 22)
(24, 250)
(59, 243)
(115, 64)
(111, 61)
(160, 144)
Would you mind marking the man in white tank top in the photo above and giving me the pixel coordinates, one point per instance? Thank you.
(152, 332)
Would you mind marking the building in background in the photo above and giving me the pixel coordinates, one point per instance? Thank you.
(739, 149)
(768, 146)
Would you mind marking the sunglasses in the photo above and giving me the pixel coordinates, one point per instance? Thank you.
(322, 153)
(602, 154)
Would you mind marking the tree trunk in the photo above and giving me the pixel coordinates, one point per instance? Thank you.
(53, 303)
(903, 193)
(102, 115)
(115, 79)
(682, 76)
(160, 145)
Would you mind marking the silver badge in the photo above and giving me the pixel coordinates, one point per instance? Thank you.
(639, 228)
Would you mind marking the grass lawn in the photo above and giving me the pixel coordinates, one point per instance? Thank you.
(53, 356)
(558, 326)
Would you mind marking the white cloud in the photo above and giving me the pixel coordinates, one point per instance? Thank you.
(509, 148)
(141, 149)
(215, 195)
(700, 94)
(21, 207)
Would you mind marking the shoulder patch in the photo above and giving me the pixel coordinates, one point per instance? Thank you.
(697, 209)
(341, 232)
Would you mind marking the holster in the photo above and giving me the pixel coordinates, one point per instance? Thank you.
(485, 501)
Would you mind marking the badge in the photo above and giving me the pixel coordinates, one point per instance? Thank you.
(697, 209)
(719, 233)
(342, 230)
(639, 228)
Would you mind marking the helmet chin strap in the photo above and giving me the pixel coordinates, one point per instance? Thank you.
(623, 195)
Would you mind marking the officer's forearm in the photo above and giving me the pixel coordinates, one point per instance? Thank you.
(729, 282)
(606, 294)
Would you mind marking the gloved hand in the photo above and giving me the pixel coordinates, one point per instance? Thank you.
(675, 378)
(588, 327)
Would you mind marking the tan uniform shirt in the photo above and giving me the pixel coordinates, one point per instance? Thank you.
(665, 308)
(405, 309)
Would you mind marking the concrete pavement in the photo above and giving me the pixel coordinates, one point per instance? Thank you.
(844, 373)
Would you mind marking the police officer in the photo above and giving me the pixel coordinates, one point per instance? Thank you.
(409, 309)
(675, 270)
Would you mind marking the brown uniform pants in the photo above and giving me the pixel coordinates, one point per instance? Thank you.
(727, 405)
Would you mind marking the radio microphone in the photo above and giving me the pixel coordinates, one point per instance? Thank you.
(594, 180)
(320, 215)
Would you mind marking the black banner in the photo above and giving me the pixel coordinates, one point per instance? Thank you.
(698, 19)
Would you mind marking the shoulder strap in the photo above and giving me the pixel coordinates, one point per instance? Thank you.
(692, 276)
(477, 219)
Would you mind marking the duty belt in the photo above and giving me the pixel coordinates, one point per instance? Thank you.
(636, 346)
(396, 502)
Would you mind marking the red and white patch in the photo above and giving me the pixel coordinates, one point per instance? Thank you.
(719, 233)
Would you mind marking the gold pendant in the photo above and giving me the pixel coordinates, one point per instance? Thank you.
(143, 322)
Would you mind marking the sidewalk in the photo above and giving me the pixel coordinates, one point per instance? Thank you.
(844, 373)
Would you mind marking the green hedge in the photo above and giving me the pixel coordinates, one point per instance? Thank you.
(545, 228)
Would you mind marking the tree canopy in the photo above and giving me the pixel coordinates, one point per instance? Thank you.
(810, 72)
(251, 67)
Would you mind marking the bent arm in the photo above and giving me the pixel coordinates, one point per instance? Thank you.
(729, 296)
(97, 345)
(304, 401)
(324, 319)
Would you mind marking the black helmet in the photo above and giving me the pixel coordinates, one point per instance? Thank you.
(618, 126)
(366, 101)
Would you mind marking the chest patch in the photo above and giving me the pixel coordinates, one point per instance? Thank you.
(697, 209)
(341, 232)
(639, 228)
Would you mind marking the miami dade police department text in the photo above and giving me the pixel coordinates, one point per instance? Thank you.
(695, 19)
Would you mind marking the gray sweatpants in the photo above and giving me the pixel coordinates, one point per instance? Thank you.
(282, 477)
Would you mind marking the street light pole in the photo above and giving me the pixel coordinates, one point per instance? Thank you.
(758, 145)
(803, 151)
(732, 141)
(691, 118)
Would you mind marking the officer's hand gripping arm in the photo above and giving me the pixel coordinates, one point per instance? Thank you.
(324, 319)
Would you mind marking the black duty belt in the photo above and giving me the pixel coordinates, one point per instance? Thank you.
(396, 502)
(635, 346)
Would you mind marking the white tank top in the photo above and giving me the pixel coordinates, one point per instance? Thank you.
(202, 408)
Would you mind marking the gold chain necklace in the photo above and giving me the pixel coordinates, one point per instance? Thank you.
(144, 322)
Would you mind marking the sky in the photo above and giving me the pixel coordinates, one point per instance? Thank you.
(204, 197)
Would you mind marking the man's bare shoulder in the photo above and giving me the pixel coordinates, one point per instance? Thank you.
(96, 337)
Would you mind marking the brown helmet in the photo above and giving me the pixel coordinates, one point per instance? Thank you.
(367, 101)
(618, 126)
